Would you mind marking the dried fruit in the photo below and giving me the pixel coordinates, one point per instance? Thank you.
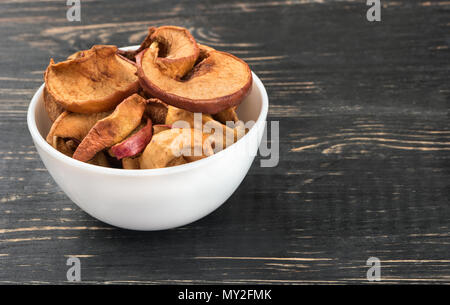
(100, 160)
(204, 50)
(156, 110)
(160, 127)
(177, 50)
(218, 81)
(63, 147)
(71, 125)
(227, 115)
(222, 135)
(95, 82)
(130, 163)
(112, 129)
(51, 106)
(175, 146)
(134, 144)
(131, 55)
(122, 109)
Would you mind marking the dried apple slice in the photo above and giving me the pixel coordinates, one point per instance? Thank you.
(72, 144)
(63, 147)
(177, 161)
(112, 129)
(176, 50)
(73, 126)
(160, 127)
(51, 106)
(109, 150)
(130, 163)
(227, 137)
(217, 82)
(167, 148)
(131, 55)
(134, 144)
(177, 46)
(175, 114)
(227, 115)
(204, 50)
(95, 82)
(100, 160)
(156, 110)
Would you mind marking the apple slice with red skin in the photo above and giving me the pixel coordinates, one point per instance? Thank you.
(217, 82)
(135, 143)
(112, 129)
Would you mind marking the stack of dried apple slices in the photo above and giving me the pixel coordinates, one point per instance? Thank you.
(120, 108)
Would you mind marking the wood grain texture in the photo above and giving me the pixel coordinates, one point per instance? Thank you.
(364, 147)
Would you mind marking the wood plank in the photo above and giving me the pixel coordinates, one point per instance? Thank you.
(364, 148)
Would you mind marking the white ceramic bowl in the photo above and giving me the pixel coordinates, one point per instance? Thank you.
(153, 199)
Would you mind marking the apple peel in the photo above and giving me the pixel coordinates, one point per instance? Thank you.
(134, 144)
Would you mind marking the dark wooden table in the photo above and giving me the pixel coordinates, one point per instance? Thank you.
(364, 147)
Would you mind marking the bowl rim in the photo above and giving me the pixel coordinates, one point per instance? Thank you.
(42, 143)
